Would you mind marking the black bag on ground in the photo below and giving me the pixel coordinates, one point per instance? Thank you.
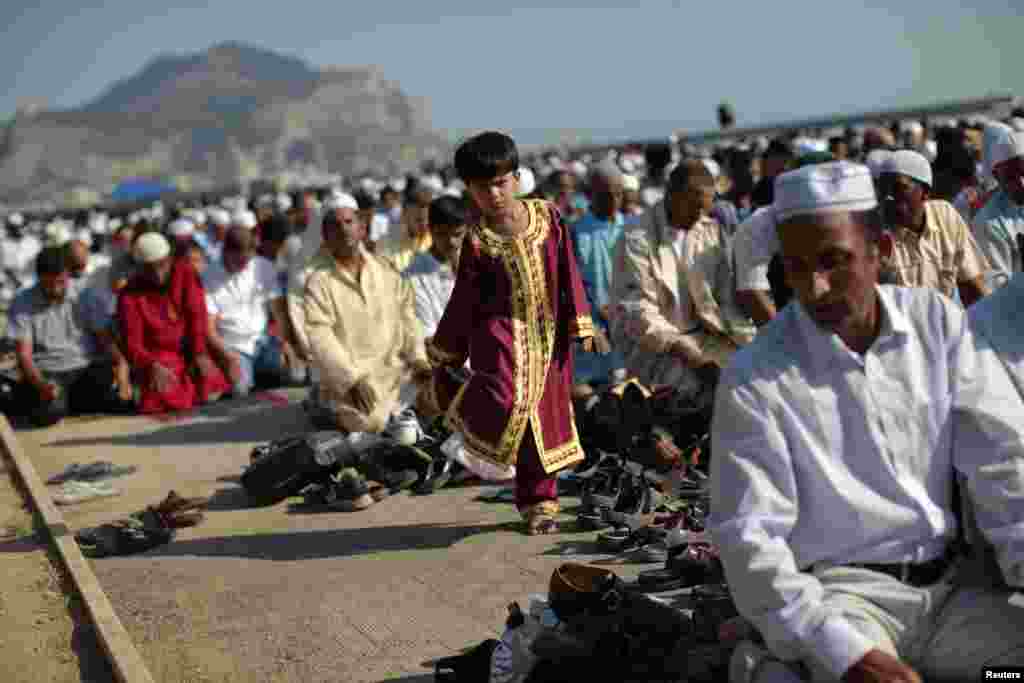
(284, 467)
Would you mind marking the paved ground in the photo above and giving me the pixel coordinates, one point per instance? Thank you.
(270, 594)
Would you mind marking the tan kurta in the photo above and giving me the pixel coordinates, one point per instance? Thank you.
(943, 255)
(661, 296)
(400, 251)
(363, 329)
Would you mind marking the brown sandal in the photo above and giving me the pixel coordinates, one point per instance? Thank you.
(541, 518)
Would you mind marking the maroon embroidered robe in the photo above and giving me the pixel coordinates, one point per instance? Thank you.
(516, 309)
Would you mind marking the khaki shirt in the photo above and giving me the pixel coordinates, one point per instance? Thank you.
(363, 329)
(399, 251)
(943, 255)
(662, 294)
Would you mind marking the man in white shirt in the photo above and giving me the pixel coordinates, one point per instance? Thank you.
(241, 294)
(432, 273)
(835, 438)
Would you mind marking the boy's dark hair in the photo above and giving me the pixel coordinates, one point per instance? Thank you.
(52, 261)
(687, 174)
(486, 156)
(276, 229)
(448, 211)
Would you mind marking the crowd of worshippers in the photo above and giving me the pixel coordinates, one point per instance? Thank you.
(163, 310)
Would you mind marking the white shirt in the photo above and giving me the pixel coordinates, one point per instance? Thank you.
(997, 319)
(432, 284)
(380, 226)
(826, 456)
(756, 242)
(241, 300)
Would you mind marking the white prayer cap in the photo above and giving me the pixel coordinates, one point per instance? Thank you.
(433, 182)
(630, 183)
(909, 163)
(713, 168)
(824, 188)
(57, 234)
(911, 126)
(16, 219)
(264, 201)
(875, 159)
(151, 248)
(340, 200)
(198, 216)
(452, 191)
(220, 217)
(83, 236)
(627, 165)
(282, 202)
(579, 169)
(244, 219)
(115, 224)
(1009, 145)
(1017, 123)
(98, 224)
(398, 184)
(181, 228)
(527, 181)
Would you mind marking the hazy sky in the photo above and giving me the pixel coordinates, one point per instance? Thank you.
(534, 68)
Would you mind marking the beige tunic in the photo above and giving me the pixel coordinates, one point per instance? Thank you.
(363, 329)
(661, 295)
(943, 255)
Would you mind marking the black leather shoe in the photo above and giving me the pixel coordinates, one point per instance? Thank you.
(438, 476)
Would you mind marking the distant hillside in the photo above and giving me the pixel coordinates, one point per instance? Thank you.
(229, 113)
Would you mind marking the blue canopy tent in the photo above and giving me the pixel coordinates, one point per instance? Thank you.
(140, 189)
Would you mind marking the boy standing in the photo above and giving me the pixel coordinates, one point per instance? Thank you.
(517, 305)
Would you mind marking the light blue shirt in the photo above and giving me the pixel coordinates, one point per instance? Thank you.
(594, 242)
(996, 227)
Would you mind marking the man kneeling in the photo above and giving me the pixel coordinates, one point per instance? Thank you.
(363, 334)
(65, 366)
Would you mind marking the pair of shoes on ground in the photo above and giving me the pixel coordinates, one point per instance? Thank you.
(74, 492)
(618, 498)
(687, 565)
(93, 471)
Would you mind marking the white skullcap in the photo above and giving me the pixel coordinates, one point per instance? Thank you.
(630, 183)
(452, 191)
(115, 224)
(1017, 123)
(16, 219)
(264, 201)
(244, 219)
(220, 217)
(527, 181)
(824, 188)
(876, 158)
(627, 165)
(83, 236)
(282, 202)
(1009, 145)
(57, 234)
(911, 126)
(151, 248)
(433, 182)
(398, 184)
(909, 163)
(578, 168)
(340, 200)
(182, 227)
(199, 217)
(713, 168)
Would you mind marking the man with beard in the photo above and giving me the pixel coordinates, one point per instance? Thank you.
(163, 321)
(930, 245)
(361, 326)
(999, 226)
(64, 367)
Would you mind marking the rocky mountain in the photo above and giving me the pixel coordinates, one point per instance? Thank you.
(229, 114)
